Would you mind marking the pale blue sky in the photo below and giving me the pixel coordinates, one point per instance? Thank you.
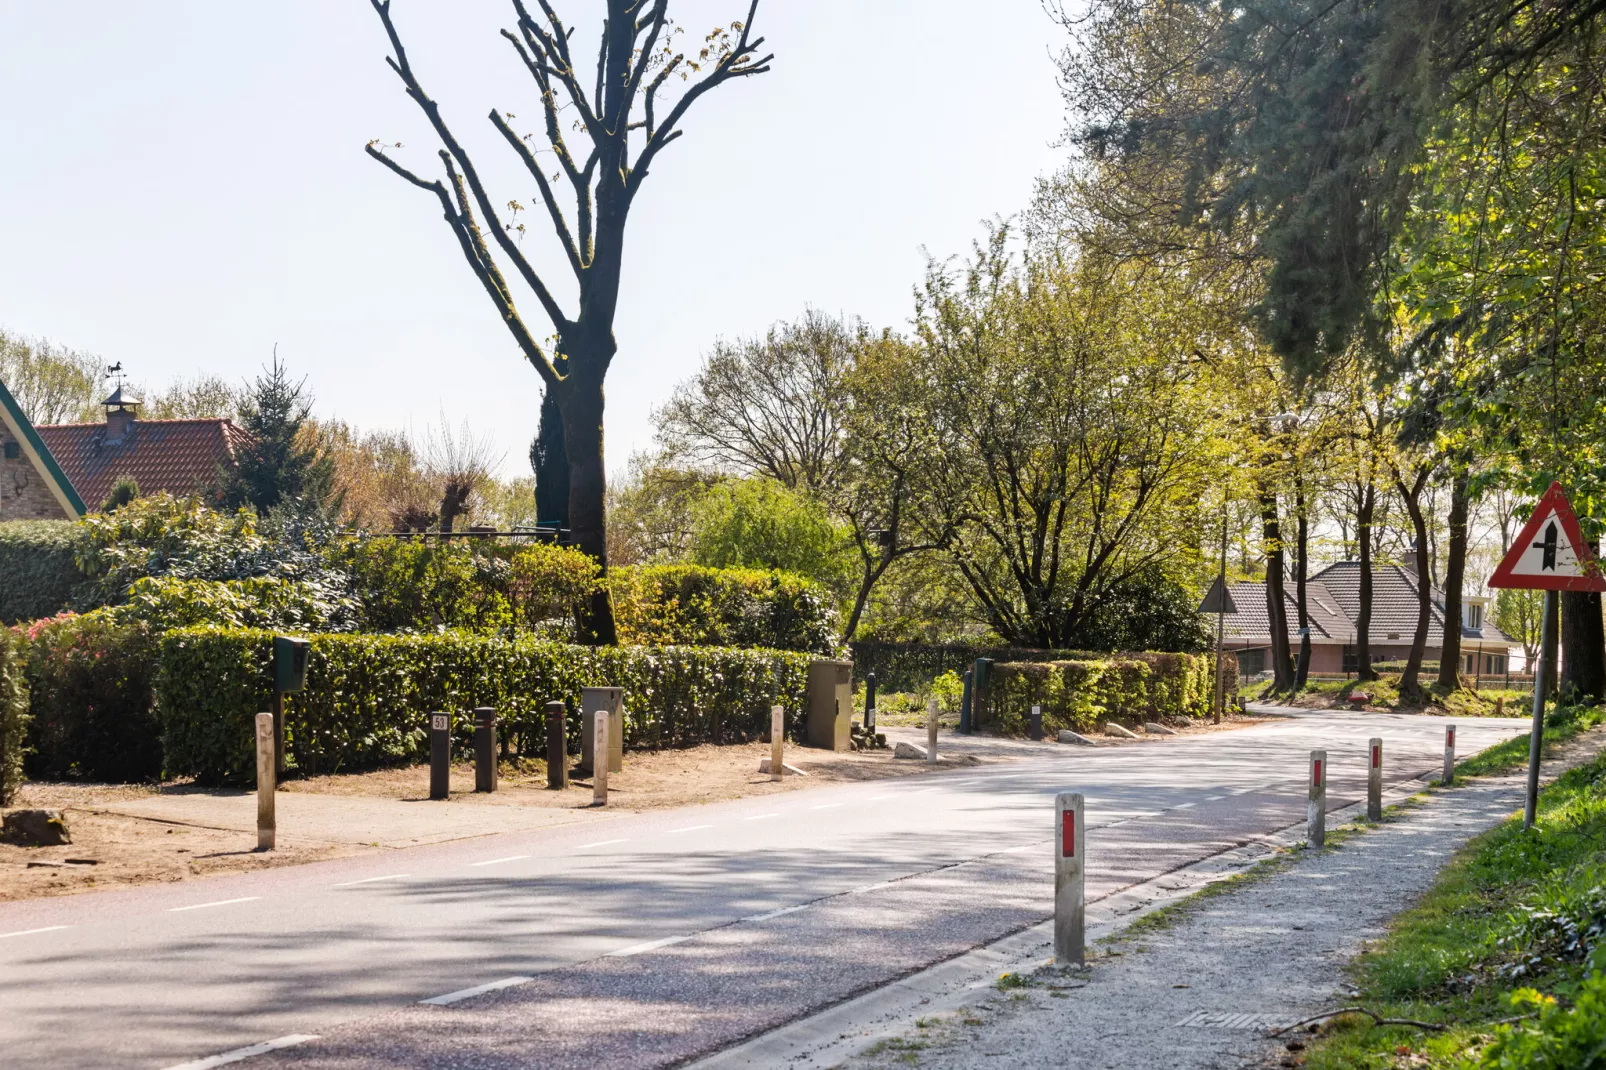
(182, 185)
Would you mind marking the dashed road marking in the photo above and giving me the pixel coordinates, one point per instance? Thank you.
(690, 828)
(760, 817)
(30, 932)
(499, 861)
(241, 1054)
(600, 843)
(219, 903)
(826, 806)
(477, 990)
(776, 913)
(370, 880)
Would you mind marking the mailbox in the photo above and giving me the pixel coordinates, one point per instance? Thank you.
(290, 658)
(830, 699)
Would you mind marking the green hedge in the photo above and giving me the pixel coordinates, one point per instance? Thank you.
(1081, 694)
(912, 666)
(13, 713)
(368, 696)
(90, 679)
(37, 572)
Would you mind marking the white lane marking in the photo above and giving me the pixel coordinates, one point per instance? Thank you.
(775, 913)
(477, 990)
(827, 806)
(921, 791)
(370, 880)
(1215, 798)
(219, 903)
(30, 932)
(690, 828)
(1186, 806)
(878, 798)
(499, 861)
(241, 1054)
(759, 817)
(651, 945)
(600, 843)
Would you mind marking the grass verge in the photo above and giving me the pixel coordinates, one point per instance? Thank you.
(1505, 952)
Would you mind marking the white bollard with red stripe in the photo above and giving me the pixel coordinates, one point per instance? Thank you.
(1449, 754)
(1070, 880)
(1316, 819)
(1374, 779)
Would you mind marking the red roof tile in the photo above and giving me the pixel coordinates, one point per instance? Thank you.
(177, 456)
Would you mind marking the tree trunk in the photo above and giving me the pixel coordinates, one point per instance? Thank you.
(1583, 646)
(1301, 568)
(1282, 665)
(1455, 569)
(1411, 679)
(581, 404)
(1363, 617)
(550, 462)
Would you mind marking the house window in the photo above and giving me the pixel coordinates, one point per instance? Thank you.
(1497, 664)
(1251, 662)
(1474, 617)
(13, 451)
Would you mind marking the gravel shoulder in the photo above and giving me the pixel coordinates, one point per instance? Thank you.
(1203, 991)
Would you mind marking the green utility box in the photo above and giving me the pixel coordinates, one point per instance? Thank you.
(830, 698)
(290, 657)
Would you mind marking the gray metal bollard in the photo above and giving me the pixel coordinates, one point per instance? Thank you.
(485, 773)
(1374, 779)
(440, 755)
(267, 781)
(1070, 880)
(931, 731)
(1316, 817)
(777, 741)
(1449, 754)
(557, 746)
(599, 775)
(1035, 731)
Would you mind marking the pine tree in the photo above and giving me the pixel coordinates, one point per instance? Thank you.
(274, 467)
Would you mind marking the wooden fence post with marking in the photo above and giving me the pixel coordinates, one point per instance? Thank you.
(1070, 880)
(599, 771)
(267, 781)
(1374, 779)
(440, 755)
(1316, 818)
(777, 741)
(931, 731)
(1449, 754)
(557, 746)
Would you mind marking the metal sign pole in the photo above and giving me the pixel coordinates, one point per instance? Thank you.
(1536, 736)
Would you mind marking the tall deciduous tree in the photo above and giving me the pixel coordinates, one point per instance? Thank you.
(625, 120)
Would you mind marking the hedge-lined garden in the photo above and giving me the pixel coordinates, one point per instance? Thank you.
(1080, 694)
(368, 696)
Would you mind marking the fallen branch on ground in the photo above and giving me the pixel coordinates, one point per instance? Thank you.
(1377, 1019)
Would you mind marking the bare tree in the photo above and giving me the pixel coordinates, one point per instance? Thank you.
(770, 406)
(457, 464)
(623, 123)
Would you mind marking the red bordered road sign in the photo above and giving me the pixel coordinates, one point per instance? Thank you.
(1550, 554)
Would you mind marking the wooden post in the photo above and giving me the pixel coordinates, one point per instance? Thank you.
(1449, 755)
(599, 771)
(1316, 814)
(267, 782)
(557, 747)
(777, 741)
(931, 731)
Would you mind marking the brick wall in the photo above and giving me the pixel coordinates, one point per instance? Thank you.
(24, 494)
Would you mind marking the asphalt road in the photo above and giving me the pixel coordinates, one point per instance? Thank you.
(643, 940)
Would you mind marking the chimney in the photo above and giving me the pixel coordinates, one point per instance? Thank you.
(120, 413)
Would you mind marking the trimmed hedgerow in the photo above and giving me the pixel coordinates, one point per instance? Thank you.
(13, 713)
(38, 575)
(1080, 694)
(89, 679)
(912, 666)
(368, 696)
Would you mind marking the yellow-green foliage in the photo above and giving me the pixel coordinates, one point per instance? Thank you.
(689, 604)
(1079, 694)
(13, 713)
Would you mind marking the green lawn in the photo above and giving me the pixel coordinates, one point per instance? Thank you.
(1514, 928)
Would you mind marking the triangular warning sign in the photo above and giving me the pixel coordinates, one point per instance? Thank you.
(1550, 554)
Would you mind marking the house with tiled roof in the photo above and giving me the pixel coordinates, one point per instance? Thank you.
(60, 471)
(1333, 602)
